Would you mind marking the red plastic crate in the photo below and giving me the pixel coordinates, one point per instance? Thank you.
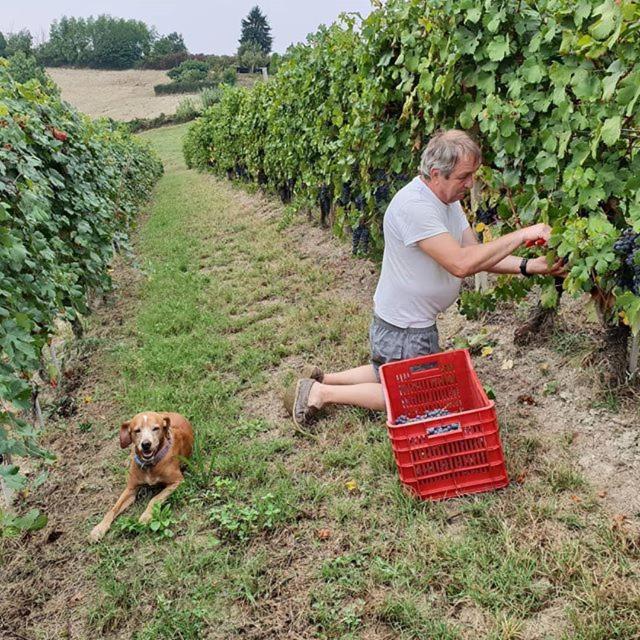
(468, 459)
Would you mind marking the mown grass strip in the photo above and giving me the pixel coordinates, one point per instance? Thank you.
(275, 535)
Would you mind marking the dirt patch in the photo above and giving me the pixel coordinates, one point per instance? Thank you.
(121, 95)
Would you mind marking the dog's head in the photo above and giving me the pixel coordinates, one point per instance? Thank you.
(147, 432)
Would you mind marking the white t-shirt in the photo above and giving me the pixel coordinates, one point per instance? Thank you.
(413, 288)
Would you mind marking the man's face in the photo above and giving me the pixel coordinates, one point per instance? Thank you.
(458, 184)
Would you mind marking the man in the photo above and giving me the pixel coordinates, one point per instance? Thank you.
(429, 248)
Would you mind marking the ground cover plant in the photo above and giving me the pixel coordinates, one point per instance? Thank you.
(549, 88)
(274, 535)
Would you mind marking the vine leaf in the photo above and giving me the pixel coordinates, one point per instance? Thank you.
(611, 130)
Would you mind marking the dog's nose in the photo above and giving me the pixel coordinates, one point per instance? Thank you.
(146, 445)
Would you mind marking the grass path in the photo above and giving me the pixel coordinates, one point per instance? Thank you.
(278, 536)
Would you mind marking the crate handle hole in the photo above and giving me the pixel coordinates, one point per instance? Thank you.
(427, 366)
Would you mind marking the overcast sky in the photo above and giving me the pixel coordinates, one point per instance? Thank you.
(207, 27)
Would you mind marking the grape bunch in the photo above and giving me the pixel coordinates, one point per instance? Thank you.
(434, 413)
(360, 240)
(627, 247)
(358, 201)
(381, 194)
(345, 195)
(487, 215)
(324, 199)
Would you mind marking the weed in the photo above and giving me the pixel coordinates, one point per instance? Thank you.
(565, 479)
(238, 521)
(160, 525)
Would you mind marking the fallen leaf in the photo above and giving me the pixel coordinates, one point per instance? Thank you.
(87, 399)
(351, 485)
(521, 478)
(576, 498)
(324, 534)
(619, 519)
(486, 351)
(525, 398)
(602, 494)
(507, 365)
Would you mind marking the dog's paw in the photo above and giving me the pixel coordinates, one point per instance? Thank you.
(145, 518)
(97, 533)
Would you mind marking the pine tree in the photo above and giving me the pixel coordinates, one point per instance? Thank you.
(256, 30)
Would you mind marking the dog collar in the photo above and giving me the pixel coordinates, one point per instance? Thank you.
(152, 462)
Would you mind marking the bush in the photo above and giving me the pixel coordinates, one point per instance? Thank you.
(183, 87)
(24, 67)
(144, 124)
(190, 71)
(187, 110)
(209, 97)
(168, 61)
(229, 76)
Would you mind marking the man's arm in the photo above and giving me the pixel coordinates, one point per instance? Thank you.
(462, 261)
(511, 264)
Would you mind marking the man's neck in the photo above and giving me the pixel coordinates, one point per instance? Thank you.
(428, 185)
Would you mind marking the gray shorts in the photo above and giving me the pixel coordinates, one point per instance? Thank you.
(390, 343)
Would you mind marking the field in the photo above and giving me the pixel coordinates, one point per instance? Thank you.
(276, 535)
(121, 95)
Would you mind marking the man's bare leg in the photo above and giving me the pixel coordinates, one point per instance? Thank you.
(358, 375)
(368, 395)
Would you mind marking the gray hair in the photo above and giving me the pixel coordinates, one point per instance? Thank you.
(444, 151)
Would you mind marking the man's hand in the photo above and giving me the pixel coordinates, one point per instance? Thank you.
(539, 266)
(536, 232)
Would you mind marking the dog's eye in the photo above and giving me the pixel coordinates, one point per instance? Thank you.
(136, 431)
(156, 428)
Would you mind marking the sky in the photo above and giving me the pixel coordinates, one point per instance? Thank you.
(207, 27)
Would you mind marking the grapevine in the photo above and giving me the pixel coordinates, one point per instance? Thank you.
(69, 191)
(548, 87)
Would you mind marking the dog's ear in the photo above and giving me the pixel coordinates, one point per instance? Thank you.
(166, 422)
(125, 435)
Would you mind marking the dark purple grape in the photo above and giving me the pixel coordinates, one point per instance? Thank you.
(345, 196)
(487, 215)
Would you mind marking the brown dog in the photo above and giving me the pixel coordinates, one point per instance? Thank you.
(161, 441)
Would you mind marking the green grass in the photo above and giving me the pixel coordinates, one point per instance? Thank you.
(228, 301)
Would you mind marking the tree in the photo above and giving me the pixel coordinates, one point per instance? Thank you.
(20, 41)
(256, 31)
(118, 43)
(166, 45)
(69, 43)
(3, 46)
(250, 55)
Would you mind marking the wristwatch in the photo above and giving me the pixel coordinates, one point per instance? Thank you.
(523, 268)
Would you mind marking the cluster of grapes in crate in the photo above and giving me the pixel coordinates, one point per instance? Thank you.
(445, 428)
(434, 413)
